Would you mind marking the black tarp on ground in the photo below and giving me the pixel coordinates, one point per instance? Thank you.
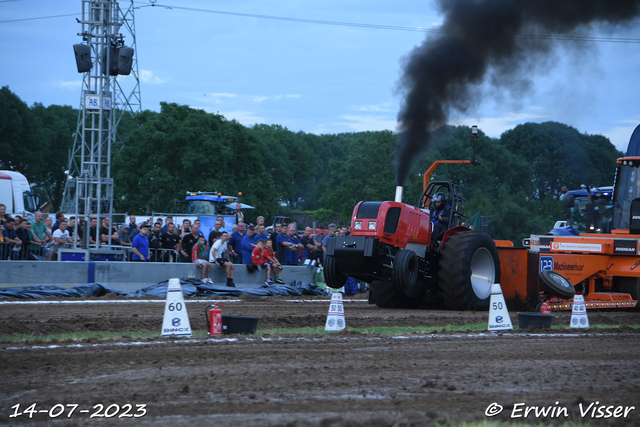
(190, 288)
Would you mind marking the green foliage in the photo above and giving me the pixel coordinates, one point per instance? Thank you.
(316, 177)
(36, 141)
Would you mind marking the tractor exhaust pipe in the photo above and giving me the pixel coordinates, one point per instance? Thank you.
(398, 194)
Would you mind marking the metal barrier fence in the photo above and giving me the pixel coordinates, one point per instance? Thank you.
(8, 251)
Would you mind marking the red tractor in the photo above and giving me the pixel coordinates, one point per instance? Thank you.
(393, 247)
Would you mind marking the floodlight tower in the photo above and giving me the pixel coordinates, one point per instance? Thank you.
(104, 100)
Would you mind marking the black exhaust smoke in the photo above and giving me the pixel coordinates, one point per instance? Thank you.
(491, 41)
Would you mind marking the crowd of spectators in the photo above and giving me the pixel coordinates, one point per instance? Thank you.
(165, 241)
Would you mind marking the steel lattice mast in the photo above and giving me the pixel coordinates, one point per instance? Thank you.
(104, 100)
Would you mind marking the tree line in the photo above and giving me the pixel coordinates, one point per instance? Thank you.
(281, 172)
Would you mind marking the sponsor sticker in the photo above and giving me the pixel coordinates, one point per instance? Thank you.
(577, 247)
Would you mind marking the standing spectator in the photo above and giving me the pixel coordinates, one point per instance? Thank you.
(39, 230)
(215, 232)
(107, 231)
(331, 235)
(308, 246)
(259, 221)
(133, 226)
(220, 256)
(10, 236)
(236, 243)
(199, 257)
(140, 244)
(4, 216)
(283, 244)
(247, 245)
(274, 237)
(72, 227)
(345, 230)
(275, 264)
(123, 235)
(188, 241)
(260, 234)
(60, 236)
(56, 225)
(154, 242)
(239, 214)
(26, 235)
(296, 247)
(93, 230)
(166, 224)
(170, 242)
(186, 228)
(259, 259)
(317, 239)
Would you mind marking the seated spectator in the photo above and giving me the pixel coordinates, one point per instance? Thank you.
(275, 265)
(220, 256)
(170, 243)
(199, 257)
(258, 258)
(9, 235)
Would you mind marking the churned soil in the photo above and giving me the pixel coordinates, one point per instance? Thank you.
(346, 378)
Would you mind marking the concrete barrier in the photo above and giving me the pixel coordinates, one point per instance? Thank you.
(130, 276)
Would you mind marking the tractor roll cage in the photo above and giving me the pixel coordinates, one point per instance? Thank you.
(455, 199)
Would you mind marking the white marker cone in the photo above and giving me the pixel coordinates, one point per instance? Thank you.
(176, 319)
(335, 318)
(579, 317)
(499, 319)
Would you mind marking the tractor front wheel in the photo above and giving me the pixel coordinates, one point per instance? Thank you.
(333, 277)
(406, 271)
(469, 265)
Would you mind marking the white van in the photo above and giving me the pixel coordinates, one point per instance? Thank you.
(16, 194)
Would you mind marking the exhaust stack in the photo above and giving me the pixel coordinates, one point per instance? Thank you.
(398, 194)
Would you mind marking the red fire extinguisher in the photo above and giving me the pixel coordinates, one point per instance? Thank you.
(214, 319)
(545, 308)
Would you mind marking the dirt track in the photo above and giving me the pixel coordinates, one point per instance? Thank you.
(344, 379)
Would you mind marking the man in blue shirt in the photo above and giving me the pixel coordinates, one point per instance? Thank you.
(247, 245)
(235, 244)
(140, 244)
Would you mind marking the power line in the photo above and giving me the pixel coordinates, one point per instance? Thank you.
(575, 38)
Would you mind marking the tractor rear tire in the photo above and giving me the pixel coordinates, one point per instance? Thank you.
(406, 271)
(556, 285)
(469, 265)
(385, 295)
(333, 278)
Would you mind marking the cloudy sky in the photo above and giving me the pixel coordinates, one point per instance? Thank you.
(315, 70)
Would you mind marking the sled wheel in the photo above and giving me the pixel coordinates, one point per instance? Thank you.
(333, 278)
(556, 285)
(469, 265)
(406, 273)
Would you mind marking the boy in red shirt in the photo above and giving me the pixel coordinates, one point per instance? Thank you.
(270, 258)
(199, 257)
(259, 259)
